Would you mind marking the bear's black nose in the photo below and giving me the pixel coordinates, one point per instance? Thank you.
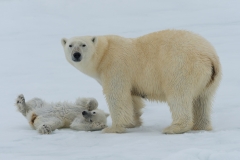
(77, 56)
(84, 113)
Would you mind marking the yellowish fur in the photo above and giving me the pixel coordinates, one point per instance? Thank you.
(173, 66)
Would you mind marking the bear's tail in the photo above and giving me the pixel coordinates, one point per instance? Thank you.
(216, 71)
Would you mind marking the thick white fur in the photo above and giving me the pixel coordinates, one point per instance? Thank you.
(173, 66)
(46, 117)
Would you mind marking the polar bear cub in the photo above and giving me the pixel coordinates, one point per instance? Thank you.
(174, 66)
(45, 117)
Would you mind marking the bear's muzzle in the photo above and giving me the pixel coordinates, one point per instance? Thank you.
(77, 57)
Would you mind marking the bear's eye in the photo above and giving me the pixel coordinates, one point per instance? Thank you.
(90, 120)
(70, 45)
(94, 112)
(84, 45)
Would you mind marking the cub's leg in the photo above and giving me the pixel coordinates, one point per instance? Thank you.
(88, 103)
(47, 124)
(181, 109)
(36, 103)
(201, 112)
(138, 104)
(25, 107)
(21, 105)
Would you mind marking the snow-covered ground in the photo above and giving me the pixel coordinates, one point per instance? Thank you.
(33, 63)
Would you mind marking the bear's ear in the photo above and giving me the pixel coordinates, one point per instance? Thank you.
(64, 41)
(107, 114)
(94, 40)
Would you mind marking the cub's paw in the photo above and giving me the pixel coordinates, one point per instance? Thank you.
(114, 130)
(45, 129)
(88, 103)
(101, 125)
(20, 101)
(92, 104)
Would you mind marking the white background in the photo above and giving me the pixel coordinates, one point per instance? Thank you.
(33, 63)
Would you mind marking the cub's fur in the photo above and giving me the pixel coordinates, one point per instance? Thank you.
(46, 117)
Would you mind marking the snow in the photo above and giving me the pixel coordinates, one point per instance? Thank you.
(33, 63)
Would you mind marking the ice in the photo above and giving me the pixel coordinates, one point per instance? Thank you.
(33, 63)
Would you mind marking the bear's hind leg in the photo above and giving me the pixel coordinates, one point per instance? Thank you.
(181, 109)
(21, 105)
(201, 112)
(138, 104)
(46, 125)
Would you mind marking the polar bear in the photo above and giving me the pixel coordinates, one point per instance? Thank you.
(46, 117)
(174, 66)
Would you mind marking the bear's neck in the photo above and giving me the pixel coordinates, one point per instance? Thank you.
(98, 58)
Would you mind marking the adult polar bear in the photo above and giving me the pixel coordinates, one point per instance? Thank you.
(174, 66)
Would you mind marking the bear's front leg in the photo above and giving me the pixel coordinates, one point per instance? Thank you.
(120, 104)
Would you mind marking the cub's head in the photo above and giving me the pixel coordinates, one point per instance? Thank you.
(95, 116)
(79, 50)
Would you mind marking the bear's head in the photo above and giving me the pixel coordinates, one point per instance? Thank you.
(79, 50)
